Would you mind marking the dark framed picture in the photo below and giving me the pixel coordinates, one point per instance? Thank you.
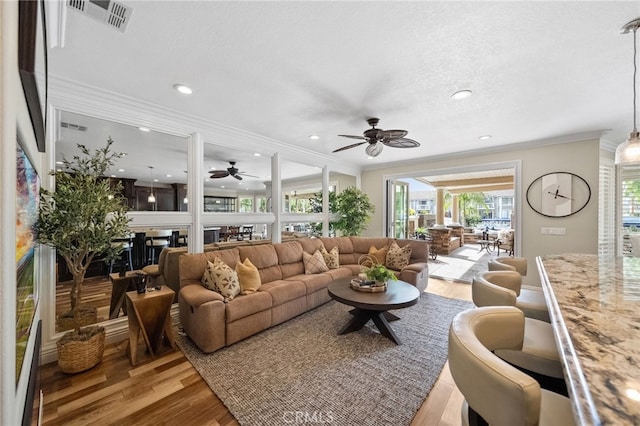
(32, 63)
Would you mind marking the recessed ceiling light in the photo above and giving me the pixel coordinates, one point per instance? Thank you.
(155, 180)
(59, 162)
(207, 180)
(168, 175)
(461, 94)
(485, 137)
(113, 176)
(257, 154)
(144, 129)
(314, 137)
(221, 186)
(121, 170)
(183, 89)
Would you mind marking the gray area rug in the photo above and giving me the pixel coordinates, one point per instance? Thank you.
(302, 371)
(461, 265)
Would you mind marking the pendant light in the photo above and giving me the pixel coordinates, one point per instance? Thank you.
(152, 198)
(628, 152)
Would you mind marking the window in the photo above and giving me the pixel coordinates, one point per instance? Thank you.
(246, 204)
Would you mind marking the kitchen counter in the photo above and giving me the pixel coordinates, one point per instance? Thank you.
(594, 304)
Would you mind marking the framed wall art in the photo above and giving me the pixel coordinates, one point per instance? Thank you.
(32, 63)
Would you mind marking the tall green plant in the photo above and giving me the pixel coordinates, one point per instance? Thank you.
(84, 214)
(355, 211)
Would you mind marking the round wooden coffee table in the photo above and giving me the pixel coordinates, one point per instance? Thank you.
(374, 306)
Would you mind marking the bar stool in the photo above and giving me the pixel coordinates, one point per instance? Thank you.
(530, 298)
(496, 393)
(156, 239)
(182, 238)
(539, 356)
(126, 243)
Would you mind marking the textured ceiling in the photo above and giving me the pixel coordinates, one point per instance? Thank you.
(286, 70)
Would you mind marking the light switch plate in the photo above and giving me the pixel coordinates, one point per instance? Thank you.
(553, 231)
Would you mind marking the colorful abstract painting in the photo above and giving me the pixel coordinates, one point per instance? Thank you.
(27, 196)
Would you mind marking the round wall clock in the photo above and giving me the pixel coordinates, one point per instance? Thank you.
(558, 194)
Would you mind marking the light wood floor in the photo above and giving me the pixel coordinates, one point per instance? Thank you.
(168, 390)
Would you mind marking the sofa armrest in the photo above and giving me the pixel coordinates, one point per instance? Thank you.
(416, 267)
(417, 274)
(195, 295)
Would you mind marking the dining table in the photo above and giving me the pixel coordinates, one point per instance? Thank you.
(594, 305)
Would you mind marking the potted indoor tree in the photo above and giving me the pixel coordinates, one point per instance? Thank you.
(355, 211)
(80, 219)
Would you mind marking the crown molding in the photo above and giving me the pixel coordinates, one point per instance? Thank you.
(557, 140)
(68, 95)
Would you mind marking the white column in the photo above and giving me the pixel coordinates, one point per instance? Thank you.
(195, 188)
(325, 201)
(276, 199)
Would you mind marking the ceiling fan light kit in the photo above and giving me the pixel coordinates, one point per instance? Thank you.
(377, 138)
(628, 152)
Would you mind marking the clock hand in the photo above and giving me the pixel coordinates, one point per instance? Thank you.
(557, 189)
(562, 196)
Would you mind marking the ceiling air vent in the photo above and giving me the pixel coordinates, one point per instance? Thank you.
(71, 126)
(112, 13)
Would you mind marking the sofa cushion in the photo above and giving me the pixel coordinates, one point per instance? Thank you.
(361, 245)
(266, 260)
(310, 244)
(380, 255)
(219, 277)
(247, 304)
(248, 276)
(397, 258)
(345, 247)
(314, 263)
(289, 258)
(283, 291)
(192, 266)
(331, 258)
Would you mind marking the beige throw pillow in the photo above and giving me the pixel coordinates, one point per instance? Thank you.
(314, 263)
(380, 255)
(398, 258)
(331, 258)
(219, 277)
(248, 276)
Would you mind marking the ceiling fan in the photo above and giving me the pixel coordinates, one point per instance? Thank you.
(231, 171)
(377, 138)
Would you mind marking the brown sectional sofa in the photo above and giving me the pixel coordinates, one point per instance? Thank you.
(286, 290)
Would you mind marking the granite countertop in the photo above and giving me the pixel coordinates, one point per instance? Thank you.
(594, 304)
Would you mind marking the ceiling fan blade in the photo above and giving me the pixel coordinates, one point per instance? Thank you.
(237, 176)
(352, 136)
(350, 146)
(219, 174)
(401, 143)
(247, 175)
(392, 134)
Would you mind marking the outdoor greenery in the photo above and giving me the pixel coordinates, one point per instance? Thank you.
(84, 214)
(470, 203)
(316, 207)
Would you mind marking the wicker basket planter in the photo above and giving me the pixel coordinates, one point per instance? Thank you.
(80, 352)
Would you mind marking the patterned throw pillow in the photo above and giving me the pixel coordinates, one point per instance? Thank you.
(398, 258)
(248, 276)
(380, 255)
(314, 263)
(222, 279)
(331, 258)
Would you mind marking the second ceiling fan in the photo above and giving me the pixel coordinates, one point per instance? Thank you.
(231, 171)
(377, 138)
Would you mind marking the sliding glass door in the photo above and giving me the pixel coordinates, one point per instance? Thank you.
(397, 209)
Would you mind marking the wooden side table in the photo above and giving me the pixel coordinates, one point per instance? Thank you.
(119, 286)
(150, 313)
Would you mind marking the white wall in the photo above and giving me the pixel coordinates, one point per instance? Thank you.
(579, 157)
(14, 121)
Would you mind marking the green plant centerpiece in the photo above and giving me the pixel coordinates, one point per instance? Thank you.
(80, 219)
(379, 273)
